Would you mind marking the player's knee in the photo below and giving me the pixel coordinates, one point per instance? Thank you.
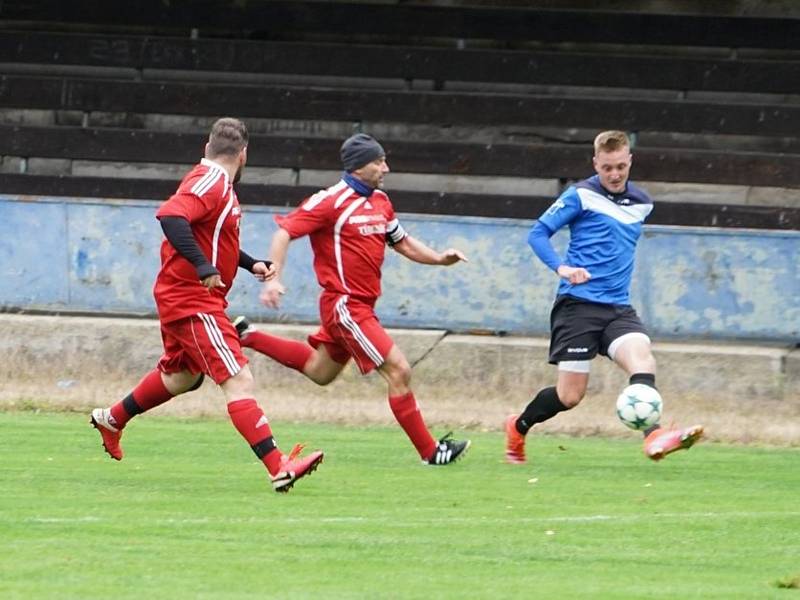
(403, 373)
(196, 385)
(321, 369)
(398, 372)
(643, 362)
(245, 378)
(240, 385)
(321, 378)
(571, 400)
(571, 397)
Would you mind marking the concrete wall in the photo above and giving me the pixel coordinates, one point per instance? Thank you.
(738, 392)
(61, 254)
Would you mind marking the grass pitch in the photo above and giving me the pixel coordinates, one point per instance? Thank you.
(189, 514)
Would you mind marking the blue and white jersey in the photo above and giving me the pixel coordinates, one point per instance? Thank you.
(604, 229)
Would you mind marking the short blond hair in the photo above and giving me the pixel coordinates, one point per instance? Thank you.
(610, 141)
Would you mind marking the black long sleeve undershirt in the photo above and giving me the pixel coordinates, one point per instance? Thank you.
(179, 233)
(246, 261)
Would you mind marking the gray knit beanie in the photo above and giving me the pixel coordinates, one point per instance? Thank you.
(358, 150)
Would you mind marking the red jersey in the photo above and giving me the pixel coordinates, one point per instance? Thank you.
(206, 199)
(348, 234)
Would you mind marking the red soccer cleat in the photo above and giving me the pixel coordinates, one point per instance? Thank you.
(293, 468)
(109, 433)
(515, 442)
(665, 441)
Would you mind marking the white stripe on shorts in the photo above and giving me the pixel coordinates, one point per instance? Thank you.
(218, 341)
(575, 366)
(362, 340)
(614, 345)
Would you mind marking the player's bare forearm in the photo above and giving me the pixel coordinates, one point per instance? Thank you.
(273, 289)
(415, 250)
(278, 249)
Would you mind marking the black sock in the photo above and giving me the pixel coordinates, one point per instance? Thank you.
(644, 378)
(130, 406)
(544, 406)
(651, 429)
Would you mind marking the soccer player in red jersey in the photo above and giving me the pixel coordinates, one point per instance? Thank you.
(199, 259)
(349, 226)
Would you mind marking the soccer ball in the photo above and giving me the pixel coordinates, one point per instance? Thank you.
(639, 406)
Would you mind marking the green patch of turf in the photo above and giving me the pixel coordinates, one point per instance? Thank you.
(189, 512)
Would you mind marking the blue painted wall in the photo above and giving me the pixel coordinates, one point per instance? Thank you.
(79, 255)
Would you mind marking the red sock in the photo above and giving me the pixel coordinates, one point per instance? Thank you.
(406, 411)
(150, 393)
(290, 353)
(250, 421)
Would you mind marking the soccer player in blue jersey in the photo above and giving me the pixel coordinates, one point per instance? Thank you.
(592, 312)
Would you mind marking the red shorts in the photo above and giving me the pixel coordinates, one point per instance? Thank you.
(202, 343)
(351, 329)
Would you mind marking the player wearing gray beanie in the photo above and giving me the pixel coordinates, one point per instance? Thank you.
(350, 225)
(358, 150)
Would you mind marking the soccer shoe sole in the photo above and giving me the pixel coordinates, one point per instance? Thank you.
(100, 428)
(462, 453)
(514, 459)
(288, 486)
(688, 439)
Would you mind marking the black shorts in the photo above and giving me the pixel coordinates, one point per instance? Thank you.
(579, 329)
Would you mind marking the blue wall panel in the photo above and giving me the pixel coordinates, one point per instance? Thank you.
(113, 256)
(33, 260)
(66, 254)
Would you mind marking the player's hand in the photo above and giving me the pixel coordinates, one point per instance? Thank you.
(451, 256)
(264, 271)
(213, 281)
(271, 293)
(575, 275)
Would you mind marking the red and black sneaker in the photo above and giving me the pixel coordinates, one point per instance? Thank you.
(101, 420)
(293, 468)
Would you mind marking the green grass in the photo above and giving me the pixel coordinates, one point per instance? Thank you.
(189, 514)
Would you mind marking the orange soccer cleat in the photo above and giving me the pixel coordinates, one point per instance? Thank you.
(293, 468)
(515, 442)
(661, 442)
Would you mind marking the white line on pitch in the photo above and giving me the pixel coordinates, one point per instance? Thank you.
(437, 518)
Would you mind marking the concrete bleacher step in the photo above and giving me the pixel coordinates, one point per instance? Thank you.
(504, 116)
(431, 22)
(656, 71)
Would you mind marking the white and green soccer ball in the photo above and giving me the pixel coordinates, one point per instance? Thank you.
(639, 406)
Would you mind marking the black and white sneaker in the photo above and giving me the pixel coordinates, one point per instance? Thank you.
(243, 326)
(448, 451)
